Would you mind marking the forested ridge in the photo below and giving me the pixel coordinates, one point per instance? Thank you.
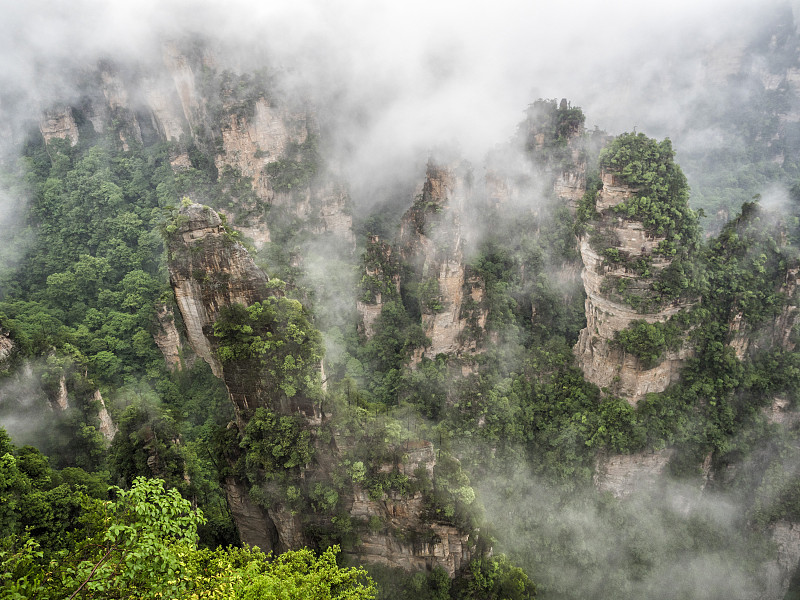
(119, 450)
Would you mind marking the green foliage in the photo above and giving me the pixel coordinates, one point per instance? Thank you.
(548, 127)
(143, 545)
(146, 445)
(298, 169)
(277, 335)
(274, 443)
(648, 341)
(430, 296)
(660, 200)
(496, 578)
(300, 574)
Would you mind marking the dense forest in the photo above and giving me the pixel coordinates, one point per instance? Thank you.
(569, 371)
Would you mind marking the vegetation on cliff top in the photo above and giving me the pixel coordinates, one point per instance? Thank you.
(661, 193)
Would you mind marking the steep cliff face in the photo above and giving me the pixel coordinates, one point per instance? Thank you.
(381, 280)
(107, 426)
(554, 138)
(233, 120)
(623, 474)
(167, 338)
(627, 257)
(603, 361)
(59, 122)
(210, 273)
(786, 536)
(777, 332)
(440, 544)
(209, 270)
(432, 242)
(250, 142)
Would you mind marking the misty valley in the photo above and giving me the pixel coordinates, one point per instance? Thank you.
(302, 317)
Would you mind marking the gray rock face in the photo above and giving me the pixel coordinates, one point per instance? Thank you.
(777, 332)
(623, 474)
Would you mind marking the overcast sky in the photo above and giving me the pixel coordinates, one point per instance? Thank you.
(414, 72)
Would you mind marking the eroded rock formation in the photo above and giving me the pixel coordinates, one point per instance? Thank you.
(608, 312)
(432, 241)
(107, 426)
(197, 105)
(210, 271)
(59, 123)
(167, 338)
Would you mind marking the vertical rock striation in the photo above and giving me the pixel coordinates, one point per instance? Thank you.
(432, 242)
(167, 338)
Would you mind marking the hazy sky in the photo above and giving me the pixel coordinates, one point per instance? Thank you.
(427, 71)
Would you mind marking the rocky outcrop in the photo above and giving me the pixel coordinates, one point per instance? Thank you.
(183, 79)
(116, 96)
(167, 338)
(786, 536)
(107, 426)
(233, 121)
(254, 525)
(251, 142)
(7, 347)
(167, 114)
(59, 123)
(447, 548)
(60, 401)
(777, 332)
(553, 135)
(209, 270)
(605, 280)
(381, 281)
(780, 412)
(432, 241)
(623, 474)
(404, 539)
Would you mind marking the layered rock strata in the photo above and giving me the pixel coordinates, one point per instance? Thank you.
(603, 361)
